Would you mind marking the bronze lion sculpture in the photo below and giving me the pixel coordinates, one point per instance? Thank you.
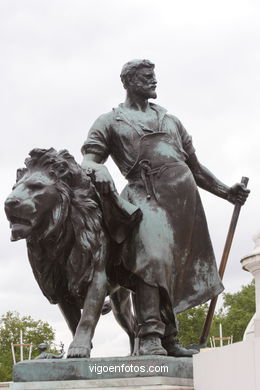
(55, 207)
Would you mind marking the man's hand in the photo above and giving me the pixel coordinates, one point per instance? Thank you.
(238, 193)
(103, 180)
(99, 173)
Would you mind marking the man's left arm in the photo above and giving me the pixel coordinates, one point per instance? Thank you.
(206, 180)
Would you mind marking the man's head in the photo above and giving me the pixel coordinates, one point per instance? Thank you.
(138, 76)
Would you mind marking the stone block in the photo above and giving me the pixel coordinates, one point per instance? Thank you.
(149, 383)
(121, 372)
(103, 368)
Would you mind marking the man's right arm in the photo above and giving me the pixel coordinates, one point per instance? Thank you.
(103, 180)
(206, 180)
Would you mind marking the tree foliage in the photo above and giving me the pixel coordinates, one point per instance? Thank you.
(237, 311)
(234, 315)
(190, 324)
(34, 331)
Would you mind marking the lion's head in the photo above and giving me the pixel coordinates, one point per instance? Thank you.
(43, 190)
(53, 205)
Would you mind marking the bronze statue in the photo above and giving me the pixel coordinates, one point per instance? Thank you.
(55, 207)
(43, 347)
(167, 259)
(85, 241)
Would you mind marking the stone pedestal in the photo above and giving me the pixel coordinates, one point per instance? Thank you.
(155, 383)
(139, 372)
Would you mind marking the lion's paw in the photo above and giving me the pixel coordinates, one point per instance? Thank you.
(78, 352)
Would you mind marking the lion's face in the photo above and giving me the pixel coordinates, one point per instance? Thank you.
(32, 199)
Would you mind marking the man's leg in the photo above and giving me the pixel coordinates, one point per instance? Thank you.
(169, 341)
(150, 326)
(172, 346)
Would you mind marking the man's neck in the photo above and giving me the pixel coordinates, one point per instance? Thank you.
(134, 102)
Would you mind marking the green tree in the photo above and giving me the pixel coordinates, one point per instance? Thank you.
(237, 311)
(191, 323)
(34, 331)
(234, 315)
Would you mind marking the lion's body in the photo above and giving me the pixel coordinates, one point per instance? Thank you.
(64, 261)
(55, 207)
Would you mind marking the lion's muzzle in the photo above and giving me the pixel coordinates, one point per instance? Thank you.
(18, 215)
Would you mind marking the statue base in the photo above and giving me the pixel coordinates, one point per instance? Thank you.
(154, 383)
(149, 372)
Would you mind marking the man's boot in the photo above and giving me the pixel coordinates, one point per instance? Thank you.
(174, 348)
(151, 345)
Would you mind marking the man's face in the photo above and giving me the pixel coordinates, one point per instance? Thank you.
(144, 83)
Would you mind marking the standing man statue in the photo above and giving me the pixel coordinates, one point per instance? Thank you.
(167, 258)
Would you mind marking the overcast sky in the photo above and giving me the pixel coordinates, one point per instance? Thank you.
(60, 63)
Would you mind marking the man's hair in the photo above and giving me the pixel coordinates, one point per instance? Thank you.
(131, 67)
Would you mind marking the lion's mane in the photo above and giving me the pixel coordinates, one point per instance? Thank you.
(64, 249)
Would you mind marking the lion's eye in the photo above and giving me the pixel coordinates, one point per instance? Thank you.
(35, 186)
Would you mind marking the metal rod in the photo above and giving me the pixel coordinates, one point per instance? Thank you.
(220, 335)
(222, 267)
(30, 352)
(12, 347)
(21, 345)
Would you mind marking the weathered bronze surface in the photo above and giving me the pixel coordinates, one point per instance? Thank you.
(55, 207)
(43, 347)
(178, 371)
(167, 260)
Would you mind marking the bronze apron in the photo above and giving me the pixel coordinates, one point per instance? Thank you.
(171, 247)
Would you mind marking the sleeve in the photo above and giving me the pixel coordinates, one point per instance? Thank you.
(186, 139)
(97, 141)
